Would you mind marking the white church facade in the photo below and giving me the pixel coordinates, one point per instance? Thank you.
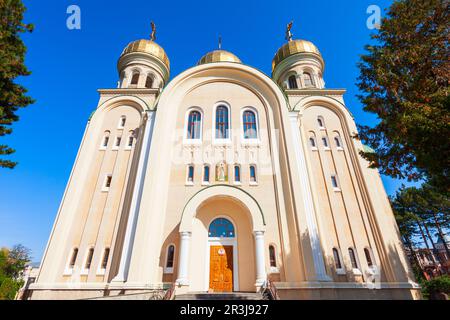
(223, 179)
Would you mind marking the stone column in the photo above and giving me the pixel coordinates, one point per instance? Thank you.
(261, 275)
(183, 261)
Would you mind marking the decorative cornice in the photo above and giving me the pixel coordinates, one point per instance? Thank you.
(315, 92)
(129, 91)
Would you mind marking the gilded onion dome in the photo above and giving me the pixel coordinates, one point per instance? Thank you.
(150, 47)
(218, 56)
(293, 47)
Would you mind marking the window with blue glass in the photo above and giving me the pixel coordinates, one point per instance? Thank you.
(206, 174)
(222, 122)
(249, 122)
(237, 173)
(221, 228)
(194, 125)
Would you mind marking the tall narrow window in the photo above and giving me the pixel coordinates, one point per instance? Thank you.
(130, 141)
(312, 142)
(107, 183)
(253, 174)
(352, 255)
(122, 122)
(105, 258)
(149, 82)
(222, 124)
(89, 258)
(170, 256)
(337, 259)
(118, 141)
(368, 257)
(338, 142)
(334, 182)
(237, 173)
(105, 141)
(73, 258)
(320, 122)
(293, 82)
(206, 174)
(272, 256)
(325, 142)
(194, 125)
(307, 78)
(190, 177)
(135, 78)
(249, 120)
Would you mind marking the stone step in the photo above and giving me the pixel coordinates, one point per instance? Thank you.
(220, 296)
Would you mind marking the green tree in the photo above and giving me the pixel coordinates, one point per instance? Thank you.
(12, 55)
(12, 264)
(404, 81)
(419, 212)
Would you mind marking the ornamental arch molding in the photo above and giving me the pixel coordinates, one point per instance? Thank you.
(224, 191)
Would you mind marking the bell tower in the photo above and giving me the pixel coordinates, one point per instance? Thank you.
(298, 64)
(144, 64)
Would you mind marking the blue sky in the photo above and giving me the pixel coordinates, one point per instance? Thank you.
(69, 66)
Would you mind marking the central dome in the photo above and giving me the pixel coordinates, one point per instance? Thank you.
(218, 56)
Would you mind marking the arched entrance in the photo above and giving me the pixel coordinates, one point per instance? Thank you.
(228, 223)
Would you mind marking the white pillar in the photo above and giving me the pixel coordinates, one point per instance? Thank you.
(183, 261)
(135, 201)
(308, 203)
(261, 275)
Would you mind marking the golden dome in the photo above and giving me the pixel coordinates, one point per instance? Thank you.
(292, 47)
(218, 56)
(150, 47)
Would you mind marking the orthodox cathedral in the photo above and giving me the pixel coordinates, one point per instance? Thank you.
(223, 179)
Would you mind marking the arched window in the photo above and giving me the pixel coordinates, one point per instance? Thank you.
(73, 258)
(194, 125)
(222, 124)
(272, 256)
(352, 255)
(135, 78)
(149, 82)
(293, 82)
(368, 257)
(105, 140)
(325, 142)
(206, 174)
(337, 259)
(253, 174)
(237, 173)
(312, 142)
(321, 123)
(190, 174)
(130, 139)
(249, 121)
(89, 258)
(170, 256)
(122, 122)
(105, 258)
(222, 228)
(338, 142)
(307, 78)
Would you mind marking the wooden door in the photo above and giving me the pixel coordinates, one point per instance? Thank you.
(221, 268)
